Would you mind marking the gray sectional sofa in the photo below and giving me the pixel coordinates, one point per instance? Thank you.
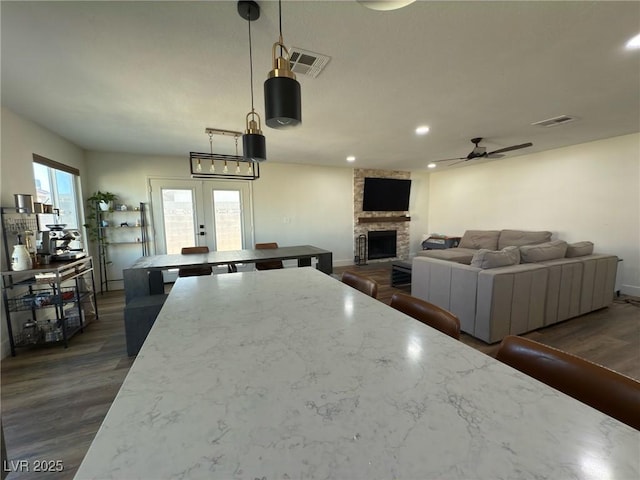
(502, 282)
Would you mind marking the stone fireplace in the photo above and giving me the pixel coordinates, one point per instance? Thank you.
(367, 223)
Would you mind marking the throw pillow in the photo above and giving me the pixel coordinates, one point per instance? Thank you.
(485, 259)
(517, 238)
(579, 249)
(543, 251)
(477, 239)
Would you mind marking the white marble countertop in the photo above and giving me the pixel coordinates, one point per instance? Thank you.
(288, 374)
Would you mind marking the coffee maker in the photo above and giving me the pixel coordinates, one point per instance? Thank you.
(59, 244)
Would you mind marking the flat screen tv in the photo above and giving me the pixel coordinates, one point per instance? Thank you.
(386, 194)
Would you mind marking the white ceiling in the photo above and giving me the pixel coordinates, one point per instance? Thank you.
(149, 77)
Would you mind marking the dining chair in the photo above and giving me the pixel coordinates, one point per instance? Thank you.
(427, 313)
(603, 389)
(269, 264)
(365, 284)
(194, 271)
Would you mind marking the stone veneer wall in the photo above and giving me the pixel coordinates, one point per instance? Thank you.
(402, 248)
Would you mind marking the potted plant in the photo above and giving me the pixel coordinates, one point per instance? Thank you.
(104, 200)
(98, 202)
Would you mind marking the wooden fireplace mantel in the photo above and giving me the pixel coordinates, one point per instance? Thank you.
(383, 219)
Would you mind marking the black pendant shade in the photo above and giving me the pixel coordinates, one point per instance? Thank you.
(254, 147)
(282, 102)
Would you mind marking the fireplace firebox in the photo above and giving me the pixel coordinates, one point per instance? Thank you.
(382, 244)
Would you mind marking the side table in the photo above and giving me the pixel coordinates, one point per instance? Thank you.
(400, 274)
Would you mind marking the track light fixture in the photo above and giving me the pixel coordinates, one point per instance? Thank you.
(253, 142)
(282, 98)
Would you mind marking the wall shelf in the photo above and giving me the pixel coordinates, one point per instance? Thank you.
(384, 219)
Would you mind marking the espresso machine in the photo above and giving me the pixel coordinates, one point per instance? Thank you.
(62, 245)
(56, 243)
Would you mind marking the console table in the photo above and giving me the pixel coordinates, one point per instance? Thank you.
(292, 374)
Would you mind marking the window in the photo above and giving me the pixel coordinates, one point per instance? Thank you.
(57, 184)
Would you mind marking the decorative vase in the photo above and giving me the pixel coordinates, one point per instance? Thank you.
(104, 206)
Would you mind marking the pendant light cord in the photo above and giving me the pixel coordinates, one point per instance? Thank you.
(280, 22)
(250, 59)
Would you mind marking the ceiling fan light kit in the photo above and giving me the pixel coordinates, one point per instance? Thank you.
(282, 97)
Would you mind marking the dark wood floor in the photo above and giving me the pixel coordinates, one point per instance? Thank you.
(54, 399)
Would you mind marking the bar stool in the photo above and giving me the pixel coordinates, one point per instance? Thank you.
(427, 313)
(610, 392)
(269, 264)
(194, 271)
(364, 284)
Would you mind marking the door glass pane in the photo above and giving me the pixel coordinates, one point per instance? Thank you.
(227, 211)
(178, 216)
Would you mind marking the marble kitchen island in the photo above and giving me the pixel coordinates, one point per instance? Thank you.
(285, 374)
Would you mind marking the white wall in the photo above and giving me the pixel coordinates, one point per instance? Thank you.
(584, 192)
(419, 210)
(20, 140)
(293, 204)
(300, 204)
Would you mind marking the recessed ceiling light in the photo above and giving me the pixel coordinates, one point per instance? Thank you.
(431, 165)
(634, 42)
(422, 130)
(351, 158)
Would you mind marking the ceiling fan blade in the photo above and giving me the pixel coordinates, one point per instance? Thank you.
(449, 159)
(512, 147)
(459, 161)
(494, 155)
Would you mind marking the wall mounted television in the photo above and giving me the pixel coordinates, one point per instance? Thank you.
(386, 194)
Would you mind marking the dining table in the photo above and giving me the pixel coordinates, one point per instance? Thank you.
(291, 374)
(144, 277)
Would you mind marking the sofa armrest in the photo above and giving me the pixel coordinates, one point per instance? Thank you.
(511, 300)
(449, 285)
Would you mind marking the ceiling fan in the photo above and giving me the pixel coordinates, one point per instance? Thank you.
(481, 152)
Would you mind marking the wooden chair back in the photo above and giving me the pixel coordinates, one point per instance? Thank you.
(360, 282)
(427, 313)
(610, 392)
(194, 271)
(269, 264)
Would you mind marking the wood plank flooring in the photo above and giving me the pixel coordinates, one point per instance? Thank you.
(54, 399)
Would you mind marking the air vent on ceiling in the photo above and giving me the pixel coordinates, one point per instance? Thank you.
(555, 121)
(308, 63)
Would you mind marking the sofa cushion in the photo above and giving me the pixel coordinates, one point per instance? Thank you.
(517, 238)
(458, 255)
(579, 249)
(543, 251)
(477, 239)
(484, 258)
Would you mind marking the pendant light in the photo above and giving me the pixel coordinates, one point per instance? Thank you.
(282, 99)
(253, 142)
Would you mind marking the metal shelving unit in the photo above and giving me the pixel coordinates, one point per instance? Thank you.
(137, 233)
(66, 288)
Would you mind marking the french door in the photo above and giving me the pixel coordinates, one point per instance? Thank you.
(216, 214)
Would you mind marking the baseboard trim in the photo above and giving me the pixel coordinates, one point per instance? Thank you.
(5, 348)
(632, 290)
